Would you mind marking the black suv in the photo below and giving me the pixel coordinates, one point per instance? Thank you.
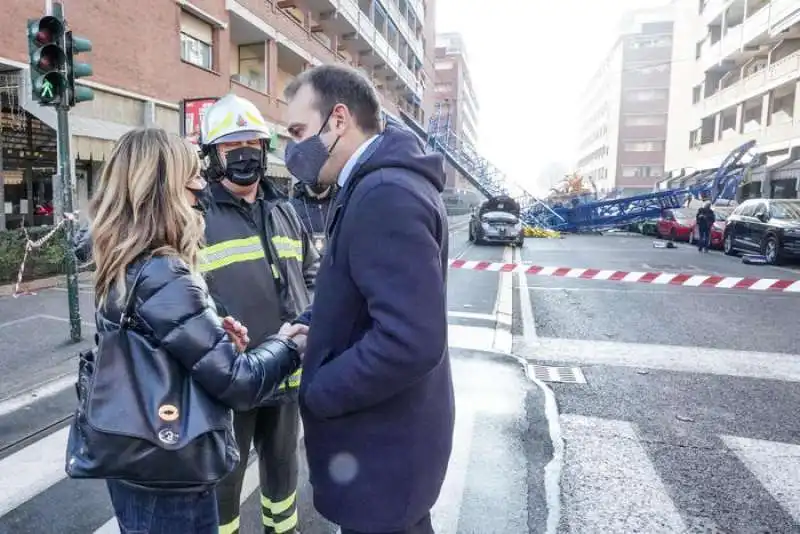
(765, 226)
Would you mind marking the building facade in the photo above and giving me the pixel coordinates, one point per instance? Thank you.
(151, 54)
(456, 101)
(740, 83)
(625, 113)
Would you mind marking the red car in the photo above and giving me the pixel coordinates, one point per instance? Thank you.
(676, 224)
(717, 231)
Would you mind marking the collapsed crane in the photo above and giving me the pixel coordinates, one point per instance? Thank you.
(592, 214)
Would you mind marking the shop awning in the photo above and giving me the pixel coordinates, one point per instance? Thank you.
(89, 148)
(94, 138)
(787, 171)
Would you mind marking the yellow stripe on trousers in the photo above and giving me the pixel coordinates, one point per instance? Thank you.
(271, 509)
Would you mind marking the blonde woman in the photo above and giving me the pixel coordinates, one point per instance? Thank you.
(145, 243)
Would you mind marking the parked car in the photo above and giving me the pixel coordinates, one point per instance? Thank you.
(764, 226)
(721, 214)
(676, 224)
(497, 221)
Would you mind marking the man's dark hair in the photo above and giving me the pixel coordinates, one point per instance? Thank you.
(337, 84)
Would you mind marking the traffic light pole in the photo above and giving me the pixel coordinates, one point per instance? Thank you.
(70, 261)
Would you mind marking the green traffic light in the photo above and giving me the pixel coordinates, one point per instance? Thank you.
(49, 87)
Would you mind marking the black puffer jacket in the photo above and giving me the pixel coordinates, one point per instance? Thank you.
(173, 308)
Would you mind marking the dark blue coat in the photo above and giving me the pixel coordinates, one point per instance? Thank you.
(377, 393)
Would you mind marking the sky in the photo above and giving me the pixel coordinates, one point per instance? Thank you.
(529, 61)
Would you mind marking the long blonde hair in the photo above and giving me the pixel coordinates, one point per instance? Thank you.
(141, 207)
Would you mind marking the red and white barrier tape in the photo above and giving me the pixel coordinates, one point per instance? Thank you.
(656, 278)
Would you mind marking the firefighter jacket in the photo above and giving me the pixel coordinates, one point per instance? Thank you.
(245, 258)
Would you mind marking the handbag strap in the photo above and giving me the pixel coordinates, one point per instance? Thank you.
(127, 311)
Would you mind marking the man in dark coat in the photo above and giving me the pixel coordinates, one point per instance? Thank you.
(377, 394)
(704, 220)
(314, 206)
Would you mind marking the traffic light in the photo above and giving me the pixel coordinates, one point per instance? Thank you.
(47, 60)
(76, 45)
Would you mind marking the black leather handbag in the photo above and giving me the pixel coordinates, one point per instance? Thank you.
(142, 418)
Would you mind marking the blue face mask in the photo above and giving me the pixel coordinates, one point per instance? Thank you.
(306, 158)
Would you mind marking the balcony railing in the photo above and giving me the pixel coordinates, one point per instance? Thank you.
(402, 25)
(783, 14)
(713, 9)
(776, 134)
(776, 74)
(359, 20)
(737, 37)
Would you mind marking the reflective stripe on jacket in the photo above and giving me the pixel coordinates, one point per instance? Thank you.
(241, 265)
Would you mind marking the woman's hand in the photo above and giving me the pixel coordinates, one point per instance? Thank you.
(237, 333)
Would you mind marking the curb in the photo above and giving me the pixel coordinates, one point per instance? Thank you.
(38, 284)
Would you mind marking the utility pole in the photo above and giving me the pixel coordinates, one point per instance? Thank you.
(52, 48)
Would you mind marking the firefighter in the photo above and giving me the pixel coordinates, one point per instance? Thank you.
(260, 265)
(314, 205)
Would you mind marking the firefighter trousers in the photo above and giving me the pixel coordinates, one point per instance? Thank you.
(273, 432)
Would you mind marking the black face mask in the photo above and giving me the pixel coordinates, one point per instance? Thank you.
(243, 165)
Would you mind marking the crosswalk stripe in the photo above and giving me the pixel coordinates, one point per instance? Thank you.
(32, 470)
(607, 473)
(775, 465)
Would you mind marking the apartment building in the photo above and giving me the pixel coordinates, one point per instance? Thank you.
(624, 115)
(151, 54)
(456, 102)
(740, 82)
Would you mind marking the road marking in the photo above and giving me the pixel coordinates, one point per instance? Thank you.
(32, 470)
(480, 317)
(447, 510)
(775, 465)
(503, 308)
(702, 360)
(26, 398)
(610, 484)
(554, 468)
(19, 321)
(628, 290)
(66, 320)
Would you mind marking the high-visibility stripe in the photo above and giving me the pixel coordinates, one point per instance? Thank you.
(226, 122)
(226, 253)
(274, 514)
(230, 528)
(288, 248)
(293, 380)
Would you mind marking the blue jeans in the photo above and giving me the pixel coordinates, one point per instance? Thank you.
(140, 511)
(704, 239)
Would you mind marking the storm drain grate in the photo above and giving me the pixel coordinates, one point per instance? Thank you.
(546, 373)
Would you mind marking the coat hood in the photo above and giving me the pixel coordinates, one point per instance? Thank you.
(398, 147)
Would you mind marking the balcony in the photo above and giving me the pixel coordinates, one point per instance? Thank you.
(740, 42)
(406, 31)
(779, 73)
(365, 42)
(712, 11)
(785, 13)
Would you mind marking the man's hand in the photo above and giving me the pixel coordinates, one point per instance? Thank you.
(297, 333)
(237, 333)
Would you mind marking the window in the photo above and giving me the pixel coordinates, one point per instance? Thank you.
(444, 65)
(642, 171)
(652, 43)
(651, 69)
(444, 87)
(644, 146)
(197, 38)
(649, 95)
(645, 120)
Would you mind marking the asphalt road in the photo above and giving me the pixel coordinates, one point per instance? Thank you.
(687, 420)
(495, 481)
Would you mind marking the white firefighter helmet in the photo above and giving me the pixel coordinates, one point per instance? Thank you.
(233, 118)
